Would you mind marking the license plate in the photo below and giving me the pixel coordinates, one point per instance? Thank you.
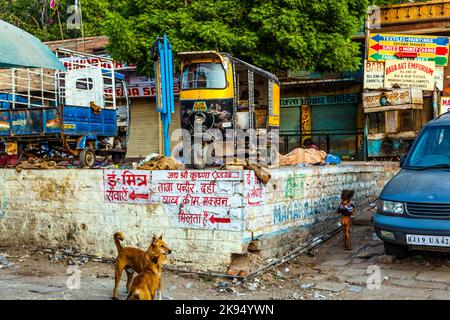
(434, 241)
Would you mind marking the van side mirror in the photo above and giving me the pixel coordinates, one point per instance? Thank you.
(402, 160)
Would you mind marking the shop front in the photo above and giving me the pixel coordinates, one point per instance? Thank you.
(331, 121)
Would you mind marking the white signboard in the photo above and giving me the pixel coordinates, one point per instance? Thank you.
(409, 74)
(127, 186)
(445, 105)
(199, 199)
(373, 75)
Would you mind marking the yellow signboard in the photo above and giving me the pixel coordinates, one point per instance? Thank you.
(200, 106)
(274, 121)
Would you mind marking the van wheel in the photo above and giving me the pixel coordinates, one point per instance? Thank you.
(392, 249)
(87, 158)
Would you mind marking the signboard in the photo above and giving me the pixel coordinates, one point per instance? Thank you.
(349, 98)
(143, 86)
(373, 75)
(79, 62)
(383, 47)
(200, 199)
(409, 74)
(125, 186)
(392, 98)
(445, 105)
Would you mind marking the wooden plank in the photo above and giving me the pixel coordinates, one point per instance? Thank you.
(393, 108)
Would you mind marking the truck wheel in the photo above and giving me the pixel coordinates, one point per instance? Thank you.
(392, 249)
(87, 158)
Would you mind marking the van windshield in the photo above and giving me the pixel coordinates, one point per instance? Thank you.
(432, 149)
(203, 76)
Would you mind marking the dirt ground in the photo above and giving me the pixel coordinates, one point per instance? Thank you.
(328, 272)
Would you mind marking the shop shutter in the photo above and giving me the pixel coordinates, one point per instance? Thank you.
(335, 120)
(144, 134)
(290, 120)
(290, 123)
(334, 117)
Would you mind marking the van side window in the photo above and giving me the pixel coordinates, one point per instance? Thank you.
(84, 84)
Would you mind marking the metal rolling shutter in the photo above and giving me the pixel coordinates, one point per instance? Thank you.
(144, 134)
(290, 123)
(290, 119)
(333, 119)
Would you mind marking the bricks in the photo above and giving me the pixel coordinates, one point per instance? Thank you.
(67, 199)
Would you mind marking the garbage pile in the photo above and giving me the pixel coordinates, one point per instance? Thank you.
(160, 162)
(4, 263)
(36, 163)
(303, 156)
(262, 171)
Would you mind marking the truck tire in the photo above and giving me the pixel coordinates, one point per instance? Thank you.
(397, 250)
(87, 158)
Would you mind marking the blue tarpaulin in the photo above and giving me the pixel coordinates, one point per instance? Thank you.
(20, 49)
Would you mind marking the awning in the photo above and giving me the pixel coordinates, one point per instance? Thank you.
(19, 49)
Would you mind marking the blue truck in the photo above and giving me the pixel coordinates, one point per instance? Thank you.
(413, 211)
(70, 114)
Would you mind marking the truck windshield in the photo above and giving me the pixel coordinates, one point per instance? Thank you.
(432, 149)
(203, 76)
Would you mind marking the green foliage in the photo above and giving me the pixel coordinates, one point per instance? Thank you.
(272, 34)
(35, 17)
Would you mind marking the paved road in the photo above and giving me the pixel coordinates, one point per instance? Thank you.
(327, 273)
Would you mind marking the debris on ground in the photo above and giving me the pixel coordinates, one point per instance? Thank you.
(4, 263)
(262, 171)
(8, 161)
(375, 237)
(303, 156)
(244, 264)
(369, 252)
(222, 284)
(160, 162)
(355, 289)
(385, 259)
(188, 285)
(306, 286)
(36, 163)
(295, 295)
(318, 296)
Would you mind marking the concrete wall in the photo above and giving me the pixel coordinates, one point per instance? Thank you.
(205, 216)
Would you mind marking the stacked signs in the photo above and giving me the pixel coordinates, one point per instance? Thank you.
(405, 61)
(383, 47)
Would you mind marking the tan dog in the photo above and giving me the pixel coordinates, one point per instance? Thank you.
(130, 259)
(144, 285)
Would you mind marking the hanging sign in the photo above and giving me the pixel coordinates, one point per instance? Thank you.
(409, 74)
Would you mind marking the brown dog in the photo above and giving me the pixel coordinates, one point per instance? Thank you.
(130, 259)
(144, 285)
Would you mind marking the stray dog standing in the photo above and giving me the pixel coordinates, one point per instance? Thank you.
(346, 209)
(130, 259)
(144, 285)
